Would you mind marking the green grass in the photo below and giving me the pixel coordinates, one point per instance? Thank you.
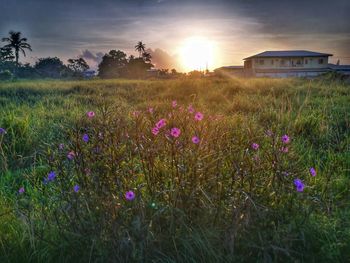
(255, 220)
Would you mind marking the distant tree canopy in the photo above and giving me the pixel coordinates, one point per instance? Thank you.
(115, 64)
(77, 67)
(51, 67)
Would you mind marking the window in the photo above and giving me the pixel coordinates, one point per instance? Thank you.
(306, 61)
(261, 62)
(320, 61)
(283, 62)
(298, 62)
(271, 61)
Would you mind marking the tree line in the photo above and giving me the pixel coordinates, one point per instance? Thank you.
(114, 64)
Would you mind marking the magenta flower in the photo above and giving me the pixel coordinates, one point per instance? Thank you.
(90, 114)
(71, 155)
(195, 139)
(76, 188)
(85, 137)
(174, 103)
(312, 171)
(155, 131)
(161, 123)
(198, 116)
(255, 146)
(299, 185)
(285, 139)
(130, 195)
(190, 109)
(21, 190)
(175, 132)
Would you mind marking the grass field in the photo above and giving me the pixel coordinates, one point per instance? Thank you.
(227, 195)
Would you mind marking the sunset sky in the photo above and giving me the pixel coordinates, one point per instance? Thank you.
(234, 29)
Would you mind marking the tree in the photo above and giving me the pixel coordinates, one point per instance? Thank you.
(140, 47)
(137, 68)
(6, 54)
(77, 66)
(17, 43)
(50, 67)
(146, 56)
(113, 64)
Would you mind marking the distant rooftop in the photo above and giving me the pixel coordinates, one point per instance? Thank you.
(289, 53)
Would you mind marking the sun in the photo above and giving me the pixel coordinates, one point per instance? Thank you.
(197, 53)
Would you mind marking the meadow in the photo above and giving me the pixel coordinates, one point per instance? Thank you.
(185, 170)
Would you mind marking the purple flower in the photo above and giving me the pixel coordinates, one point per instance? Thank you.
(2, 131)
(21, 190)
(61, 146)
(299, 185)
(312, 171)
(161, 123)
(195, 139)
(71, 155)
(255, 146)
(174, 103)
(198, 116)
(76, 188)
(285, 139)
(130, 195)
(155, 131)
(90, 114)
(175, 132)
(85, 137)
(51, 176)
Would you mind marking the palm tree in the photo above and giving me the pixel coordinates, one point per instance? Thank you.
(140, 47)
(146, 56)
(17, 43)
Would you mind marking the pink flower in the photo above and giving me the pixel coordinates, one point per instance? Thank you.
(190, 109)
(312, 171)
(285, 139)
(130, 195)
(155, 131)
(175, 132)
(90, 114)
(195, 139)
(198, 116)
(161, 123)
(284, 149)
(71, 155)
(21, 190)
(136, 113)
(174, 103)
(255, 146)
(150, 110)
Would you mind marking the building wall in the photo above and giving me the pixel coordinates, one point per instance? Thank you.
(290, 63)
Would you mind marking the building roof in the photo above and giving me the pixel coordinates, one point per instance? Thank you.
(288, 53)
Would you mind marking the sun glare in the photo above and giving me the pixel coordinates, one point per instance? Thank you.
(197, 53)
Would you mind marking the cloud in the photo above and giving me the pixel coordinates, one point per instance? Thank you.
(162, 60)
(91, 58)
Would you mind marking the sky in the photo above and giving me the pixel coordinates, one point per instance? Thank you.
(235, 28)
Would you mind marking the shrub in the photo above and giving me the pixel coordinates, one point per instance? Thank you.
(6, 75)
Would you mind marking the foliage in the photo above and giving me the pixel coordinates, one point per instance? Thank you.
(6, 75)
(17, 43)
(51, 67)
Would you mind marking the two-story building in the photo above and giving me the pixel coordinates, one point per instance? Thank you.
(291, 63)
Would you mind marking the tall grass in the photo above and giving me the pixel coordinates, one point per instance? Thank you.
(222, 199)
